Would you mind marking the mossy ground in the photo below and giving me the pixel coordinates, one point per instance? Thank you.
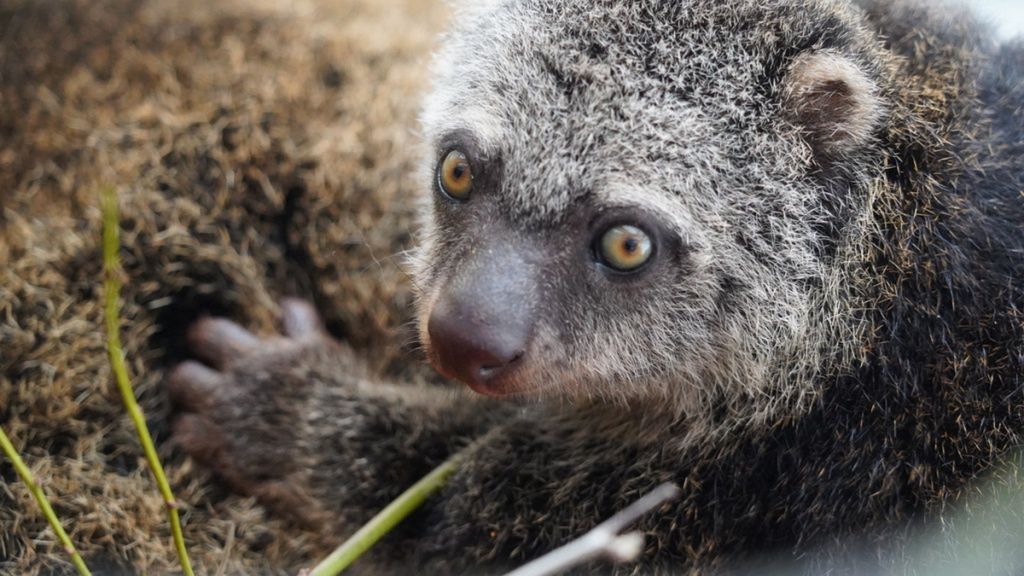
(260, 149)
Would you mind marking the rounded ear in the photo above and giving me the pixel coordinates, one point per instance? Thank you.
(834, 101)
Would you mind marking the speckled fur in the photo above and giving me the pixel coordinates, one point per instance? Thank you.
(838, 352)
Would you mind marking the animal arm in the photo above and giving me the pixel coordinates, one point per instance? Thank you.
(605, 540)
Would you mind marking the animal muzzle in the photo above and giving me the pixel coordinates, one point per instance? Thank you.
(483, 319)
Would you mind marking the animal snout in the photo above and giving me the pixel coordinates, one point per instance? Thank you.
(476, 343)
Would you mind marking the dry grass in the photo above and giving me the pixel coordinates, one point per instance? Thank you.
(260, 149)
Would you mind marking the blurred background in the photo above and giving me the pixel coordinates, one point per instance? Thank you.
(1007, 15)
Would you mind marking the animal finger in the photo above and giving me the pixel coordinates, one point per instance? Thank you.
(300, 319)
(285, 497)
(193, 387)
(199, 437)
(220, 342)
(205, 442)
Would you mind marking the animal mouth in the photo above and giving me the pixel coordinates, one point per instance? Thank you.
(502, 381)
(498, 381)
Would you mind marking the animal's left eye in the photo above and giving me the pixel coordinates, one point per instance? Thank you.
(454, 176)
(625, 248)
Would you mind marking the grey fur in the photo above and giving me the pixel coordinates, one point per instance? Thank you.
(677, 119)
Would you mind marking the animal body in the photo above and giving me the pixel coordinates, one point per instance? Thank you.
(769, 250)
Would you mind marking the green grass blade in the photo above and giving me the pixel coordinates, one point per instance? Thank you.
(37, 492)
(387, 519)
(112, 289)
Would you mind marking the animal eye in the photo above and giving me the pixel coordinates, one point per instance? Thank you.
(455, 176)
(625, 248)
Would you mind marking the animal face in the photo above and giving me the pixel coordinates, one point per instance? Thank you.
(643, 200)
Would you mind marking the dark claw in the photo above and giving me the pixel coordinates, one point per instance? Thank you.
(220, 342)
(300, 319)
(193, 387)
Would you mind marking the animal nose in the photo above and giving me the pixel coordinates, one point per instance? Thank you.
(474, 344)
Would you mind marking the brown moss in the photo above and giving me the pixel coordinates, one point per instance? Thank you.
(259, 151)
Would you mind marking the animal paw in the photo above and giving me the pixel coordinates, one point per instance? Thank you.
(241, 410)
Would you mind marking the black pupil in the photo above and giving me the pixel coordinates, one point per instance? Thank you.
(631, 245)
(459, 171)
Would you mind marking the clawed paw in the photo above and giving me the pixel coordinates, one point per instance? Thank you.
(238, 405)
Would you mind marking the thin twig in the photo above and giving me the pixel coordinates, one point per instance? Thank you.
(112, 286)
(26, 476)
(604, 540)
(387, 519)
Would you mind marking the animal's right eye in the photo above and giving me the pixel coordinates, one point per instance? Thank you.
(625, 248)
(455, 177)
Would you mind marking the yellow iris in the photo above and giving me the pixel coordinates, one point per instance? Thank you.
(456, 177)
(625, 248)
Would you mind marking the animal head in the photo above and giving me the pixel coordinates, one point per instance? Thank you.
(646, 201)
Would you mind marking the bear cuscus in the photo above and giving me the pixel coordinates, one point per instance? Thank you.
(770, 251)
